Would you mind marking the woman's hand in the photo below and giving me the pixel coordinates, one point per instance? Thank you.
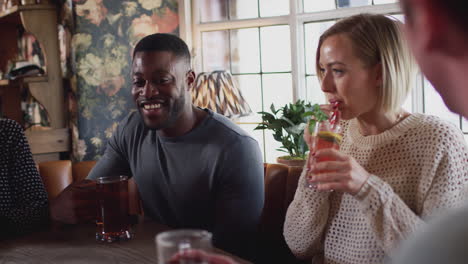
(342, 174)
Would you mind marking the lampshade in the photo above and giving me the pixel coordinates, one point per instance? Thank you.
(217, 91)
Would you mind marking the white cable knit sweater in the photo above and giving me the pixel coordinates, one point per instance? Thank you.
(417, 167)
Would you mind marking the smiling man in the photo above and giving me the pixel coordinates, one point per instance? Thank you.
(161, 79)
(193, 168)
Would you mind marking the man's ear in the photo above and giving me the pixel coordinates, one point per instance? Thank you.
(190, 77)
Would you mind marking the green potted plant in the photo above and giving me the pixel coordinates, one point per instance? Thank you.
(287, 124)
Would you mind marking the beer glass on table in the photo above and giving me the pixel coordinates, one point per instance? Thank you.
(326, 134)
(113, 220)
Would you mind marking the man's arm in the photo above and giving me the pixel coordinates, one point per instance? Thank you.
(114, 162)
(239, 198)
(77, 203)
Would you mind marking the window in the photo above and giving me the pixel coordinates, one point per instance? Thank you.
(269, 47)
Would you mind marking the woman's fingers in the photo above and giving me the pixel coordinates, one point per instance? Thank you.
(324, 166)
(343, 173)
(329, 177)
(331, 186)
(330, 154)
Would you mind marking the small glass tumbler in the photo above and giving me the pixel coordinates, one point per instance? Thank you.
(171, 243)
(113, 220)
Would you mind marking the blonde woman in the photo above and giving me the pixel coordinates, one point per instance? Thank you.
(393, 170)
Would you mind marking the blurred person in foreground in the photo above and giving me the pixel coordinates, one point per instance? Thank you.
(23, 199)
(437, 31)
(193, 168)
(394, 169)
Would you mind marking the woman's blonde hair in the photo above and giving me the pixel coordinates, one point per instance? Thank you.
(378, 39)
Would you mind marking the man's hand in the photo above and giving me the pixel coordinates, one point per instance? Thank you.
(76, 204)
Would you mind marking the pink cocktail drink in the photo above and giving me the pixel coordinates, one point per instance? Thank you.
(325, 135)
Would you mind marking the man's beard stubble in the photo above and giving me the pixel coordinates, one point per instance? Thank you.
(175, 111)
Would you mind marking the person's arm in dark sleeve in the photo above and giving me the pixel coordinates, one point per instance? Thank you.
(240, 197)
(29, 199)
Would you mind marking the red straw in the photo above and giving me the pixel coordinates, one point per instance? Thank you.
(334, 118)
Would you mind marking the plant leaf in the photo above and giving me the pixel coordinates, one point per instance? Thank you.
(312, 123)
(287, 120)
(288, 123)
(272, 108)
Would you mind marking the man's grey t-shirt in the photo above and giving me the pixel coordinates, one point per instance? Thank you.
(209, 178)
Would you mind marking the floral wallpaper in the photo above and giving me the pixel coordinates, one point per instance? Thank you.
(103, 37)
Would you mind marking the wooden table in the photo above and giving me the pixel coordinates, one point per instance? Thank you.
(77, 244)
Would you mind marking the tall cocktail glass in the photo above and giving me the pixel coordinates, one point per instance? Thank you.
(326, 134)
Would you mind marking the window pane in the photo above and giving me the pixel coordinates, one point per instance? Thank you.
(353, 3)
(215, 50)
(314, 93)
(213, 10)
(275, 48)
(270, 148)
(314, 5)
(245, 50)
(256, 134)
(434, 105)
(274, 8)
(277, 89)
(400, 18)
(378, 2)
(466, 138)
(313, 31)
(241, 9)
(251, 89)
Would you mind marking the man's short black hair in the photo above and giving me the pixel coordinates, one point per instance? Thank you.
(163, 42)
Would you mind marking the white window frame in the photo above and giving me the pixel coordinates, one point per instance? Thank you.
(191, 29)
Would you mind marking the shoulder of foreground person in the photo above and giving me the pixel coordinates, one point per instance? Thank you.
(23, 198)
(442, 241)
(10, 127)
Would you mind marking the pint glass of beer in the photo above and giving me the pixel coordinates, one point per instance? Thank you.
(113, 221)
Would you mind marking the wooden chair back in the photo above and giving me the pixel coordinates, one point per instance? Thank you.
(280, 187)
